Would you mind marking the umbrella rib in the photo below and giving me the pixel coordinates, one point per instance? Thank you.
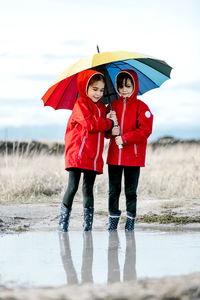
(112, 63)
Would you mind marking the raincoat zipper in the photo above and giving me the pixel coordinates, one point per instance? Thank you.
(121, 129)
(98, 144)
(82, 145)
(135, 149)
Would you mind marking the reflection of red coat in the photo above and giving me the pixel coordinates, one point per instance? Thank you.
(135, 121)
(84, 138)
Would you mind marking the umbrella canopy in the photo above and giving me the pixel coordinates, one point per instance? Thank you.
(152, 73)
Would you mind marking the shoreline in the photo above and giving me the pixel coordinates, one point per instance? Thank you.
(21, 217)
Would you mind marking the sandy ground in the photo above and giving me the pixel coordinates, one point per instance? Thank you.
(171, 288)
(43, 216)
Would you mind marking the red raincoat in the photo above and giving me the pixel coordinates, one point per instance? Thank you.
(84, 138)
(135, 120)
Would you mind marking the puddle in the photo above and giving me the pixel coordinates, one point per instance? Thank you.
(41, 259)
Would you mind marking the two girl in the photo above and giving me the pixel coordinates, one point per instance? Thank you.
(128, 126)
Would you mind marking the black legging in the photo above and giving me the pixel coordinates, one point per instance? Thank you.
(87, 187)
(131, 177)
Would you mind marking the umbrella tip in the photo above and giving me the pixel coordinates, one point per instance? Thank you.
(98, 51)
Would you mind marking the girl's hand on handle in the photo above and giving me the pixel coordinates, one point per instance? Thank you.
(118, 140)
(115, 121)
(113, 113)
(114, 117)
(115, 130)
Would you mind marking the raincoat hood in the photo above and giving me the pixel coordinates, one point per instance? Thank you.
(83, 79)
(133, 74)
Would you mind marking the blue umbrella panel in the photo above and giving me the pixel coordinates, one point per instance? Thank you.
(151, 73)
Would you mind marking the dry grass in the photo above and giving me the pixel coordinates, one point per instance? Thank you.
(34, 178)
(170, 173)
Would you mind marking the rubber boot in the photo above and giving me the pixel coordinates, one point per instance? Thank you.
(113, 220)
(88, 218)
(130, 222)
(64, 218)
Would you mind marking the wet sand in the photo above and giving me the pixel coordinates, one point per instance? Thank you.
(153, 212)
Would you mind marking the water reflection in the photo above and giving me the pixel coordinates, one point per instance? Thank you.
(113, 259)
(87, 258)
(129, 271)
(113, 266)
(130, 258)
(65, 252)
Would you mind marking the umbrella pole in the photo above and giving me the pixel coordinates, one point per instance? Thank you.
(119, 146)
(109, 102)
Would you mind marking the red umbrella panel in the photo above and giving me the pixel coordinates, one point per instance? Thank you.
(62, 95)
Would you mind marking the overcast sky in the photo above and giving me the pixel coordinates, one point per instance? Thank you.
(41, 38)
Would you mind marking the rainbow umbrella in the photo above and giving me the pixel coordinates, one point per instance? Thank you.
(152, 73)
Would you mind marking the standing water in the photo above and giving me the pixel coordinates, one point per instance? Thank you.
(41, 259)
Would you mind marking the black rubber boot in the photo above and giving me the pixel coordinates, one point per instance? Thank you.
(88, 218)
(64, 218)
(113, 220)
(130, 222)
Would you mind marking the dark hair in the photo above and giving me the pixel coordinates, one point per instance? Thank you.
(96, 77)
(123, 76)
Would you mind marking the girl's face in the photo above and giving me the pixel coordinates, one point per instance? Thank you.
(127, 89)
(96, 90)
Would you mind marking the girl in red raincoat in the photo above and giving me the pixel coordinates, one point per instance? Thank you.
(84, 142)
(127, 148)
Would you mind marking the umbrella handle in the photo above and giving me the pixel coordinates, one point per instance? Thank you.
(119, 146)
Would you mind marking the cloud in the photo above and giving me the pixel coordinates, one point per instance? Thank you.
(45, 77)
(189, 85)
(51, 56)
(75, 43)
(28, 114)
(11, 55)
